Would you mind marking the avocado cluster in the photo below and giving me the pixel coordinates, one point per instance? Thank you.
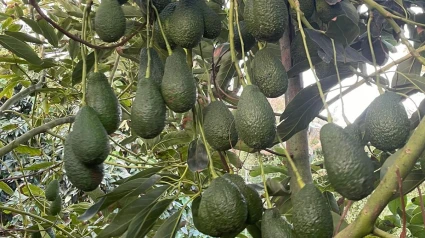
(52, 194)
(109, 21)
(274, 225)
(226, 207)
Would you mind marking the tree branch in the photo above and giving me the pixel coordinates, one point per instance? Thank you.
(76, 38)
(30, 134)
(33, 174)
(11, 101)
(404, 163)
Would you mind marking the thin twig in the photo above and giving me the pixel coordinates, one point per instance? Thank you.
(33, 174)
(382, 233)
(400, 190)
(344, 214)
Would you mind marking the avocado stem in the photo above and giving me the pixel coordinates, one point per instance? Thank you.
(209, 90)
(210, 164)
(300, 181)
(263, 177)
(167, 44)
(148, 68)
(83, 55)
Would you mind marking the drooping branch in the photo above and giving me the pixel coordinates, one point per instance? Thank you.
(404, 163)
(30, 134)
(76, 38)
(22, 94)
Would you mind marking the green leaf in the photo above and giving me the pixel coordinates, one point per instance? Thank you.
(10, 127)
(343, 30)
(5, 188)
(49, 32)
(65, 24)
(20, 49)
(417, 219)
(144, 221)
(330, 198)
(142, 174)
(169, 228)
(336, 218)
(417, 231)
(173, 138)
(197, 158)
(78, 70)
(36, 191)
(268, 169)
(23, 149)
(395, 205)
(23, 37)
(73, 48)
(416, 200)
(39, 166)
(33, 24)
(234, 159)
(412, 66)
(123, 218)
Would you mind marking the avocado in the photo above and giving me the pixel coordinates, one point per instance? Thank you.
(354, 132)
(248, 39)
(83, 177)
(212, 22)
(307, 7)
(269, 74)
(160, 4)
(350, 170)
(157, 66)
(298, 50)
(219, 126)
(101, 97)
(328, 12)
(55, 206)
(311, 216)
(252, 198)
(274, 225)
(164, 17)
(148, 110)
(88, 138)
(121, 2)
(109, 21)
(254, 230)
(52, 190)
(222, 210)
(387, 125)
(266, 20)
(178, 86)
(255, 120)
(185, 26)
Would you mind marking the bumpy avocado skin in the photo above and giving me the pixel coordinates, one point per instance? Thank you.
(101, 97)
(353, 131)
(178, 85)
(109, 21)
(185, 26)
(274, 225)
(387, 124)
(52, 190)
(255, 119)
(266, 20)
(148, 110)
(83, 177)
(157, 66)
(311, 216)
(219, 126)
(307, 7)
(164, 17)
(55, 206)
(269, 74)
(248, 39)
(350, 170)
(222, 210)
(327, 12)
(212, 22)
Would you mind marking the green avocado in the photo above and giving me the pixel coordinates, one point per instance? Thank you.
(222, 210)
(88, 138)
(185, 25)
(350, 170)
(248, 39)
(148, 110)
(157, 66)
(164, 17)
(55, 206)
(269, 74)
(328, 12)
(298, 50)
(387, 125)
(212, 22)
(354, 132)
(83, 177)
(255, 120)
(219, 126)
(274, 225)
(109, 21)
(160, 4)
(52, 190)
(266, 20)
(178, 85)
(101, 97)
(311, 216)
(307, 7)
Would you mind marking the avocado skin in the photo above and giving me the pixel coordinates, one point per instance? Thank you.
(160, 4)
(101, 97)
(148, 110)
(307, 7)
(212, 22)
(83, 177)
(248, 39)
(55, 206)
(266, 20)
(274, 225)
(164, 17)
(354, 132)
(221, 211)
(350, 170)
(311, 216)
(109, 21)
(269, 74)
(298, 50)
(219, 126)
(185, 26)
(178, 85)
(88, 138)
(327, 12)
(387, 124)
(52, 190)
(157, 66)
(254, 119)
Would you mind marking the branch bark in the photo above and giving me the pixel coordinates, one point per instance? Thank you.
(30, 134)
(11, 101)
(388, 186)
